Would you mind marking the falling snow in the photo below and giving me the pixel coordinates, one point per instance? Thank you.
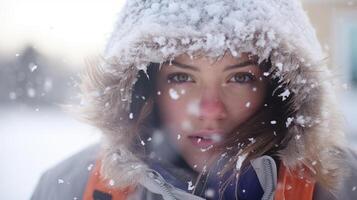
(252, 140)
(32, 67)
(273, 122)
(285, 94)
(288, 121)
(216, 137)
(193, 108)
(111, 182)
(31, 92)
(142, 142)
(240, 161)
(209, 193)
(247, 104)
(297, 137)
(206, 149)
(173, 94)
(60, 181)
(279, 66)
(90, 167)
(190, 186)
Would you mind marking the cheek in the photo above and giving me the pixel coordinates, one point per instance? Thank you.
(172, 106)
(244, 103)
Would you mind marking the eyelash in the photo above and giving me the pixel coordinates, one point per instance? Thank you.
(248, 77)
(175, 78)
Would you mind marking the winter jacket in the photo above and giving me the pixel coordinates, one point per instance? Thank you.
(156, 31)
(69, 180)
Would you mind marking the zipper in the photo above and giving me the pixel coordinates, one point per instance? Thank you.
(157, 179)
(268, 171)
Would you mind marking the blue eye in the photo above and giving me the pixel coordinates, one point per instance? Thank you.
(179, 78)
(242, 78)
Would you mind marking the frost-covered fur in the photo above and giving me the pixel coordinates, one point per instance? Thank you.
(158, 30)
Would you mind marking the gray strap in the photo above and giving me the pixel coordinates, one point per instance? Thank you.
(266, 170)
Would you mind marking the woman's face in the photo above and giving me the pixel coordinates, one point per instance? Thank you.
(202, 102)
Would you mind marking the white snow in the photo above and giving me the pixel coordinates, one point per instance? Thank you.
(190, 185)
(31, 92)
(209, 193)
(252, 140)
(216, 137)
(32, 67)
(240, 162)
(279, 66)
(297, 137)
(32, 142)
(273, 122)
(142, 142)
(111, 182)
(207, 148)
(288, 121)
(247, 104)
(285, 94)
(173, 94)
(90, 167)
(193, 108)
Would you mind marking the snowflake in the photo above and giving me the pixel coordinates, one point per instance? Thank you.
(173, 94)
(190, 185)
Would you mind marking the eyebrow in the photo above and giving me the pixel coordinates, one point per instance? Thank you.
(229, 67)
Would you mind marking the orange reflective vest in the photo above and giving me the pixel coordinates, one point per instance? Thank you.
(292, 185)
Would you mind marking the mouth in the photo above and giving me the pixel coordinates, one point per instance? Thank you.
(204, 139)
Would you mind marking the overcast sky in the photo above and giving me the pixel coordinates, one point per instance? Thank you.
(72, 29)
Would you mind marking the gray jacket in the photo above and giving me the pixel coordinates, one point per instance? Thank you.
(67, 181)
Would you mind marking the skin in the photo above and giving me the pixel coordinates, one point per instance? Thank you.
(199, 94)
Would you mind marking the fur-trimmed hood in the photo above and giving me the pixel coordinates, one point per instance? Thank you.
(159, 30)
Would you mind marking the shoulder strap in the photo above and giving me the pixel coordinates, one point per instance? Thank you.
(294, 185)
(98, 189)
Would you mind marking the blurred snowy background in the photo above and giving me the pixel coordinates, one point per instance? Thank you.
(44, 46)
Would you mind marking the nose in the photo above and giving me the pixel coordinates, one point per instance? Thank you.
(211, 105)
